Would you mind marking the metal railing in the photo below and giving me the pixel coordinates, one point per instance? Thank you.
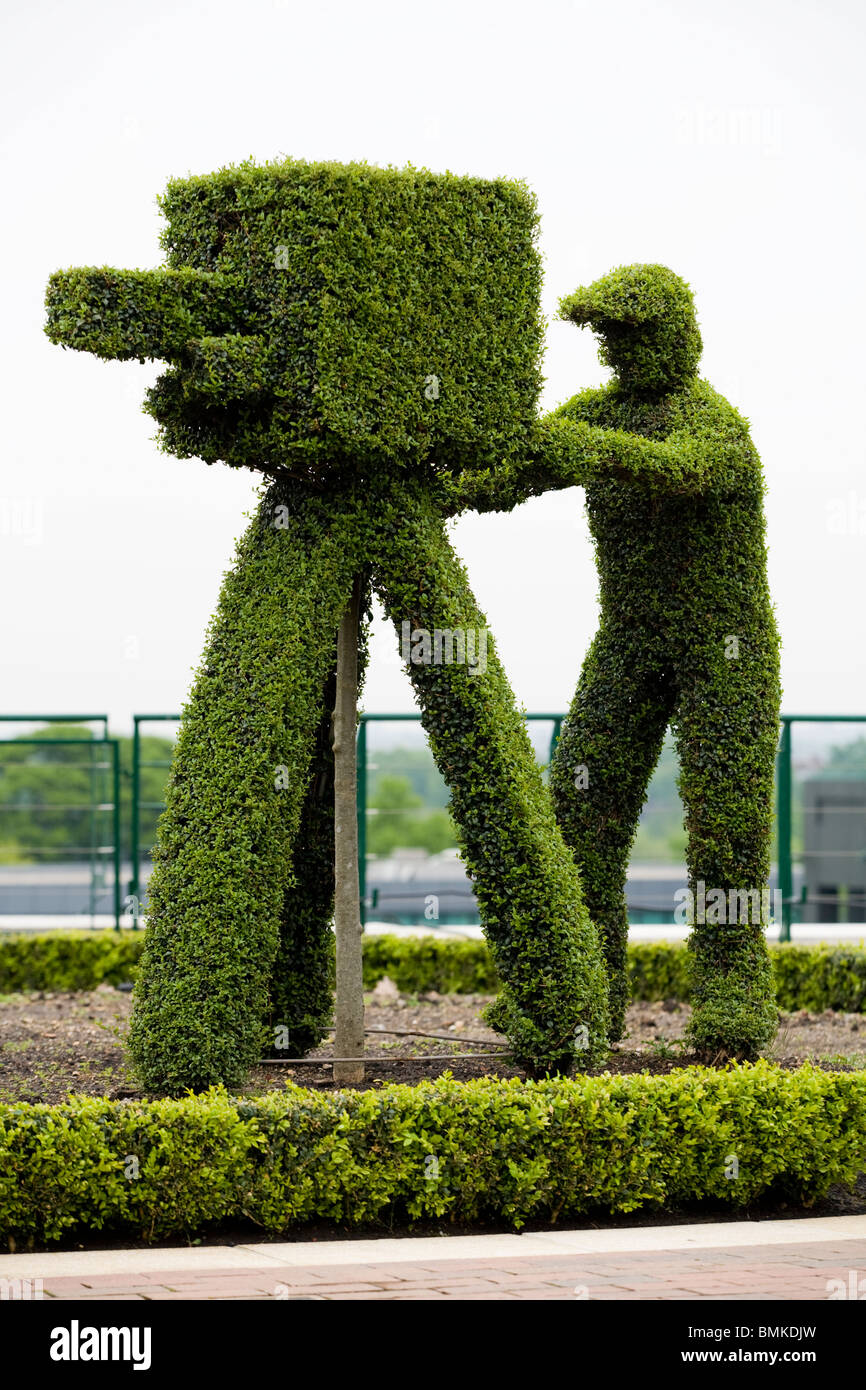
(362, 797)
(95, 852)
(784, 816)
(137, 804)
(794, 903)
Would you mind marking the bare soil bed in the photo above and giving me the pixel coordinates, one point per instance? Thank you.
(53, 1045)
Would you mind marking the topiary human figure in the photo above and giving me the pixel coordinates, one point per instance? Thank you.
(359, 336)
(687, 637)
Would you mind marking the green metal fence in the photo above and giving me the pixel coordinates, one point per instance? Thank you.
(798, 836)
(36, 789)
(794, 903)
(138, 805)
(363, 768)
(820, 790)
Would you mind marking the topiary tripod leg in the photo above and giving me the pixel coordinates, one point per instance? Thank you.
(235, 800)
(553, 1005)
(302, 988)
(302, 983)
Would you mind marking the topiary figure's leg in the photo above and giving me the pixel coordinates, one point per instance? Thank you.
(727, 730)
(235, 798)
(604, 758)
(553, 1005)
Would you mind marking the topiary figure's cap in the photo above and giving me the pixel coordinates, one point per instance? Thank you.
(321, 313)
(645, 317)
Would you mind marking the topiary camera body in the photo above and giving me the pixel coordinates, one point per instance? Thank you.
(322, 314)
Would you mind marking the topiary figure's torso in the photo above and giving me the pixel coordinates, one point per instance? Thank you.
(687, 638)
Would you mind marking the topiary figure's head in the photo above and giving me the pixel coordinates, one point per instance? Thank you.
(645, 318)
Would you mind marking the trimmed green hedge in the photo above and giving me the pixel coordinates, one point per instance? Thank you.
(465, 1151)
(240, 801)
(687, 640)
(806, 977)
(228, 955)
(420, 963)
(67, 960)
(820, 977)
(553, 1005)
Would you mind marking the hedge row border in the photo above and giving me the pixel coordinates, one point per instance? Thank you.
(476, 1151)
(806, 977)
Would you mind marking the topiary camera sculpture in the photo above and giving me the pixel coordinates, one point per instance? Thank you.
(362, 337)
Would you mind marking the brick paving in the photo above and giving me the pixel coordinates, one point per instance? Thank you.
(794, 1271)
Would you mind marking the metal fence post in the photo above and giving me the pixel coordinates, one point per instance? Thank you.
(115, 784)
(783, 827)
(362, 816)
(554, 739)
(96, 860)
(133, 817)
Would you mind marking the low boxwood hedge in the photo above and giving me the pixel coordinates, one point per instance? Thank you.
(67, 960)
(418, 964)
(806, 977)
(482, 1150)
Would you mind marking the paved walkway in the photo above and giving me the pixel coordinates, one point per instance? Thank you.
(743, 1260)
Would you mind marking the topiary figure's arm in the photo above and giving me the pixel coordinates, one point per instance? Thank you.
(689, 461)
(553, 1005)
(567, 452)
(558, 454)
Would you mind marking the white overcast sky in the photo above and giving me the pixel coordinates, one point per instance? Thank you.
(724, 138)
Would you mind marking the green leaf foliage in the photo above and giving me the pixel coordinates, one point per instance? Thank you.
(240, 884)
(805, 977)
(687, 637)
(545, 946)
(361, 334)
(505, 1151)
(328, 314)
(371, 337)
